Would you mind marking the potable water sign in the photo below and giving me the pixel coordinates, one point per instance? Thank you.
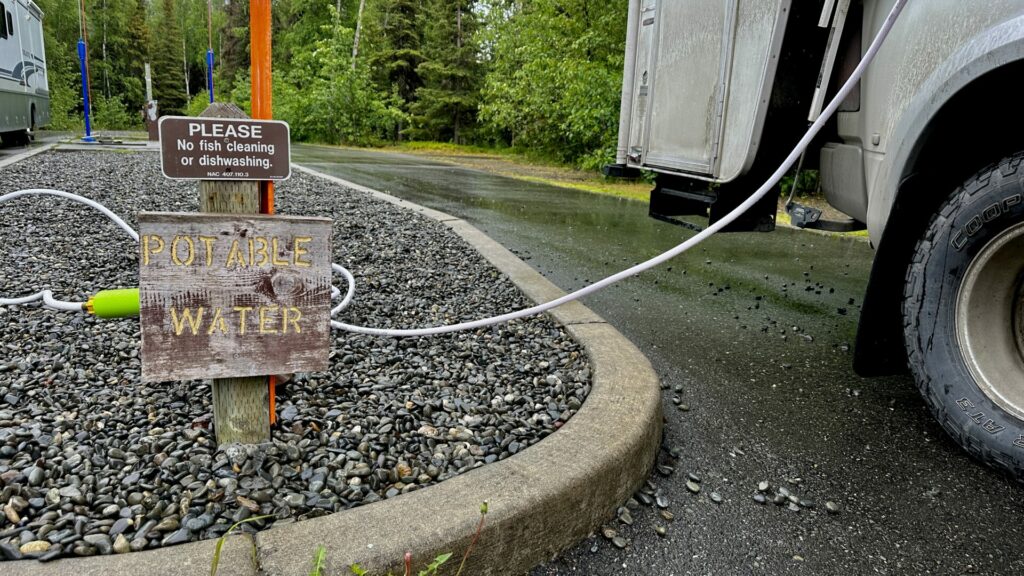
(224, 149)
(233, 295)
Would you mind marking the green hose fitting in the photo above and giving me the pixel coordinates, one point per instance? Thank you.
(123, 303)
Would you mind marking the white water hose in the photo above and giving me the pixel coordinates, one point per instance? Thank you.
(47, 297)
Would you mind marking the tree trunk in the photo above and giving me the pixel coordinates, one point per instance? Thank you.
(106, 77)
(184, 64)
(359, 26)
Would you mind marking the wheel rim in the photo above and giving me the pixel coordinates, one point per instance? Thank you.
(990, 320)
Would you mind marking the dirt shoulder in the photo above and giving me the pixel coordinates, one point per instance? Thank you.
(523, 168)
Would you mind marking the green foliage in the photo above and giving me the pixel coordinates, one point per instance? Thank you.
(325, 99)
(167, 67)
(318, 561)
(118, 47)
(807, 183)
(112, 114)
(430, 570)
(433, 566)
(555, 77)
(241, 93)
(391, 45)
(446, 104)
(539, 76)
(60, 36)
(215, 563)
(64, 103)
(198, 103)
(233, 44)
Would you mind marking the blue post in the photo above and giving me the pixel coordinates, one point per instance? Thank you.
(85, 91)
(209, 73)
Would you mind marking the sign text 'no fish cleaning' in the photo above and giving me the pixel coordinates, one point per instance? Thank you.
(224, 296)
(224, 149)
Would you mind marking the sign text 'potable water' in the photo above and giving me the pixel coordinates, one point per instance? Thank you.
(233, 295)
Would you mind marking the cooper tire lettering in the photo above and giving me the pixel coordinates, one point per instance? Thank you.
(991, 212)
(973, 225)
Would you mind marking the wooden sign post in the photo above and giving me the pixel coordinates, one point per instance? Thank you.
(241, 406)
(232, 298)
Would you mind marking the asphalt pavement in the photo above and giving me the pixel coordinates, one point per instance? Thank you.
(752, 337)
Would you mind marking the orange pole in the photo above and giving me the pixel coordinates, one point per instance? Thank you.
(262, 109)
(260, 64)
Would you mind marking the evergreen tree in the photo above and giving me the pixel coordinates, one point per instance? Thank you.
(445, 107)
(118, 42)
(234, 59)
(167, 70)
(391, 42)
(136, 55)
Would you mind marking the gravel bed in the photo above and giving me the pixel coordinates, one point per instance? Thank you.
(92, 461)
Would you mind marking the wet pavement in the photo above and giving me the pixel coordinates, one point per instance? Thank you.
(41, 139)
(752, 336)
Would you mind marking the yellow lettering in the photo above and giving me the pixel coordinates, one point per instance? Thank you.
(273, 254)
(265, 328)
(285, 311)
(191, 251)
(186, 316)
(242, 311)
(208, 241)
(261, 251)
(299, 251)
(235, 254)
(217, 323)
(147, 249)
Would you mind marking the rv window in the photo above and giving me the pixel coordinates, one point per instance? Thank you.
(10, 24)
(3, 21)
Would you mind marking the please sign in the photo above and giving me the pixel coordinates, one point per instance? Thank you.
(224, 148)
(233, 295)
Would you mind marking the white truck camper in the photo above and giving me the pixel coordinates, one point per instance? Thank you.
(24, 92)
(926, 153)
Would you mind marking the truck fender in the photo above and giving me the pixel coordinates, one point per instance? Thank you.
(901, 200)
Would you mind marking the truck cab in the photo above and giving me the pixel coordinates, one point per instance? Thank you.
(925, 153)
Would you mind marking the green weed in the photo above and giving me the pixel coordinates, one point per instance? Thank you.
(318, 561)
(222, 539)
(432, 568)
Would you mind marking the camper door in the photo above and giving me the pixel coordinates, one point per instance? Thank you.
(703, 77)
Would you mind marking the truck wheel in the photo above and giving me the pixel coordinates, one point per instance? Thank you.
(963, 312)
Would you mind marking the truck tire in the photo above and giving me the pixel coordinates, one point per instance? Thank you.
(963, 313)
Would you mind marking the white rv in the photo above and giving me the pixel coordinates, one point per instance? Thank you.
(24, 92)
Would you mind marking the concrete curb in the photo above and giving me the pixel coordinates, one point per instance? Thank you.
(542, 500)
(27, 154)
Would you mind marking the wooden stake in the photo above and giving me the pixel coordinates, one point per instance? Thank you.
(241, 406)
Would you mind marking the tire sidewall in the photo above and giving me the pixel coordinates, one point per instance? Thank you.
(975, 214)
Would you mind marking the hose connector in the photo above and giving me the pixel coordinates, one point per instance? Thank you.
(121, 303)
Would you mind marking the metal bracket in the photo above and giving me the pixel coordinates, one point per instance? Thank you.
(809, 217)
